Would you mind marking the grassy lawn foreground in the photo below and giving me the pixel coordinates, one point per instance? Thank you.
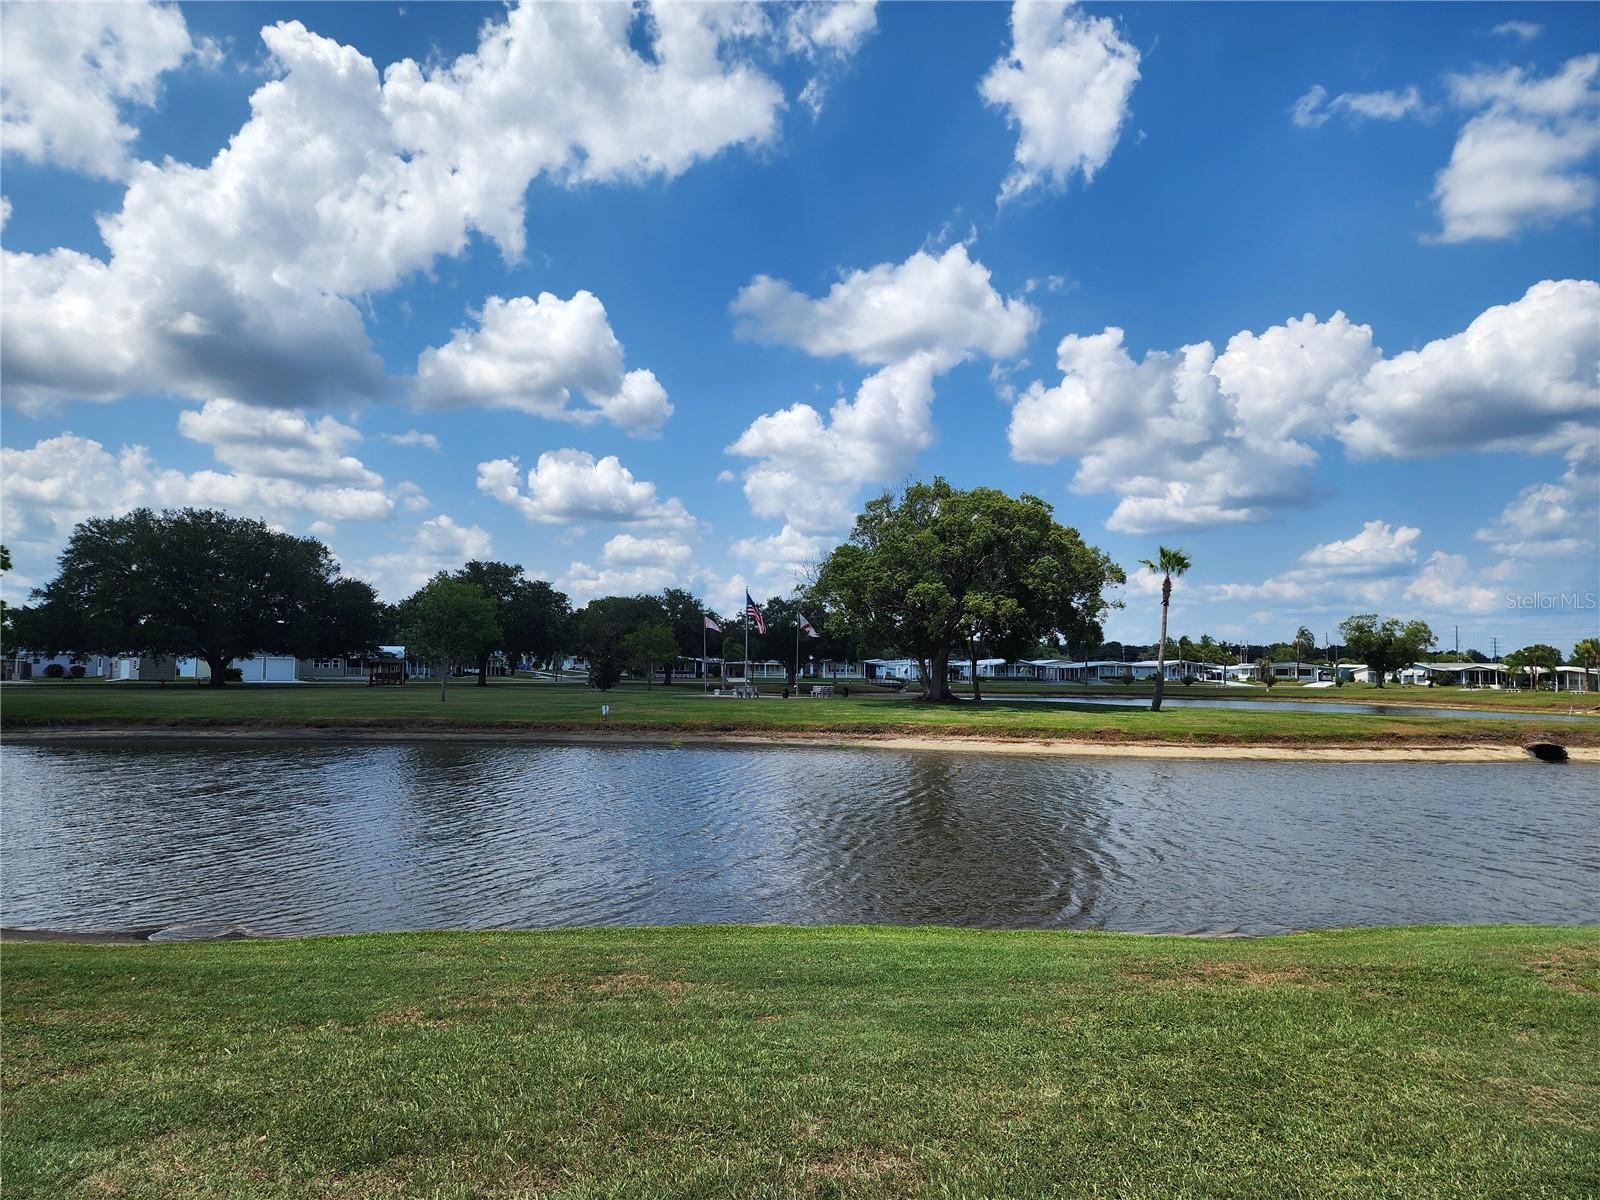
(683, 708)
(861, 1062)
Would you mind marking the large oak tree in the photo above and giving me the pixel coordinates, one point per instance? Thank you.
(200, 582)
(1386, 645)
(925, 570)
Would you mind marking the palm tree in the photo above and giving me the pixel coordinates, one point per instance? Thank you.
(1304, 641)
(1167, 564)
(1586, 654)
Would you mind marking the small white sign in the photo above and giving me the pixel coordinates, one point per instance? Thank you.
(605, 710)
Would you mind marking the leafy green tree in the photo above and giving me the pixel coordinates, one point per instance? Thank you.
(1386, 645)
(1587, 655)
(1168, 563)
(916, 562)
(354, 619)
(8, 641)
(500, 582)
(188, 582)
(649, 647)
(448, 622)
(1516, 664)
(1538, 659)
(685, 614)
(536, 623)
(602, 627)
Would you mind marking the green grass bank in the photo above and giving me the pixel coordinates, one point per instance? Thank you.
(777, 1062)
(544, 706)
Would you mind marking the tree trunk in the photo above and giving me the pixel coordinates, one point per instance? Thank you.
(483, 670)
(219, 668)
(937, 689)
(1161, 647)
(444, 673)
(972, 656)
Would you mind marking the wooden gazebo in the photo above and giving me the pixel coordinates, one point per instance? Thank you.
(384, 669)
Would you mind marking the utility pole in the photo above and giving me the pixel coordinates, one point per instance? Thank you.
(1458, 643)
(1494, 649)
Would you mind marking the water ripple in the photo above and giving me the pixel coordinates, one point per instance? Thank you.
(322, 839)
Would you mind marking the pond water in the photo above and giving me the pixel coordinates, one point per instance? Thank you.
(1322, 706)
(336, 838)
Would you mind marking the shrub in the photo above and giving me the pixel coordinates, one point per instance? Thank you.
(54, 671)
(1189, 681)
(842, 689)
(232, 675)
(78, 671)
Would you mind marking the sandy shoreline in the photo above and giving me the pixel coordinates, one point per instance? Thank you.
(1053, 747)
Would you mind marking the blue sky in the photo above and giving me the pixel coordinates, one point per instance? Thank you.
(644, 257)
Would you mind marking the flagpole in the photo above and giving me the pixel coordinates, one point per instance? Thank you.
(797, 650)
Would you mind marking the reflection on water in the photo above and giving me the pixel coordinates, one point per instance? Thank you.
(332, 838)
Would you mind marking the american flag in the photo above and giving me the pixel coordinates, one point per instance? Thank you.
(753, 613)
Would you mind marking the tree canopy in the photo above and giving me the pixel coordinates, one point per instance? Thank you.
(925, 567)
(602, 628)
(650, 646)
(531, 616)
(198, 582)
(449, 622)
(1534, 661)
(1386, 645)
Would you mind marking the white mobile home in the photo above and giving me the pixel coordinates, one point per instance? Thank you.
(1466, 674)
(263, 668)
(1571, 678)
(144, 668)
(891, 668)
(29, 665)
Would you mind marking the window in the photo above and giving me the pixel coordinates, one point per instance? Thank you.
(326, 664)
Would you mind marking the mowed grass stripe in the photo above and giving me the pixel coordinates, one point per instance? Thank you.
(830, 1062)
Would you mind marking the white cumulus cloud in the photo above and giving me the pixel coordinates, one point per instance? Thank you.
(1189, 439)
(1065, 85)
(439, 544)
(567, 486)
(278, 442)
(74, 72)
(62, 480)
(1553, 520)
(243, 277)
(915, 321)
(1379, 549)
(1528, 157)
(538, 356)
(1521, 376)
